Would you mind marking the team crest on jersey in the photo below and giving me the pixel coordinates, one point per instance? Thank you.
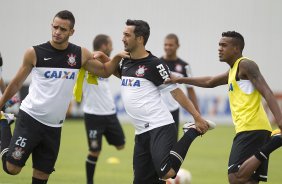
(71, 60)
(18, 153)
(141, 71)
(178, 68)
(94, 144)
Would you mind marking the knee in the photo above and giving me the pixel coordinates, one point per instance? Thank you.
(40, 175)
(120, 147)
(12, 169)
(171, 173)
(94, 153)
(234, 178)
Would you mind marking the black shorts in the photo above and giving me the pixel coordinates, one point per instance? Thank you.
(99, 125)
(175, 115)
(31, 136)
(151, 153)
(245, 144)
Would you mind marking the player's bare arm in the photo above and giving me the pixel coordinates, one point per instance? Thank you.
(2, 85)
(249, 70)
(193, 97)
(14, 86)
(182, 99)
(206, 82)
(105, 68)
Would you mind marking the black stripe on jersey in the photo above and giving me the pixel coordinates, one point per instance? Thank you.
(48, 56)
(150, 68)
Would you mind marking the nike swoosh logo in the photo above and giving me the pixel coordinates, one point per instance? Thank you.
(46, 59)
(162, 169)
(230, 166)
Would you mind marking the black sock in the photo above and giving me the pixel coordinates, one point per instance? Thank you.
(6, 136)
(264, 152)
(180, 149)
(90, 168)
(38, 181)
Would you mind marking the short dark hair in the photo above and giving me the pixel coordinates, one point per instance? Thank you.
(173, 36)
(142, 28)
(237, 37)
(66, 15)
(99, 40)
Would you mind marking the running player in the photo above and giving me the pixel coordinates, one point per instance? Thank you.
(100, 113)
(248, 161)
(157, 154)
(179, 68)
(53, 66)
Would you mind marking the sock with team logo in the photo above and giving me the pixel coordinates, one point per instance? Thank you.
(180, 149)
(38, 181)
(6, 136)
(264, 152)
(90, 168)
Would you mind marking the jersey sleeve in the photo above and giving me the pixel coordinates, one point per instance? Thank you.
(160, 72)
(119, 69)
(188, 74)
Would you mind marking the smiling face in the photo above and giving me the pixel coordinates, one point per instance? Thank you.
(170, 47)
(61, 30)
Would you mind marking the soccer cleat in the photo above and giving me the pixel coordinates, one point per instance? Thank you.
(189, 125)
(9, 117)
(211, 124)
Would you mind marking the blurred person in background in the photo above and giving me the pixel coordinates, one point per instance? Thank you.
(100, 115)
(179, 68)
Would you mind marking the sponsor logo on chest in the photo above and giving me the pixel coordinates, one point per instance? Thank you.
(59, 74)
(131, 82)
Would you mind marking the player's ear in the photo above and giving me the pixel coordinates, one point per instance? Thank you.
(71, 32)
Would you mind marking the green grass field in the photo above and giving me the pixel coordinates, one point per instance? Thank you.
(206, 159)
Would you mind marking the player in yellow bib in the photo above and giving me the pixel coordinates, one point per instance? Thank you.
(248, 160)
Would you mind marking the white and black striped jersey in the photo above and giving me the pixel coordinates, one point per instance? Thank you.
(179, 68)
(52, 82)
(141, 86)
(98, 99)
